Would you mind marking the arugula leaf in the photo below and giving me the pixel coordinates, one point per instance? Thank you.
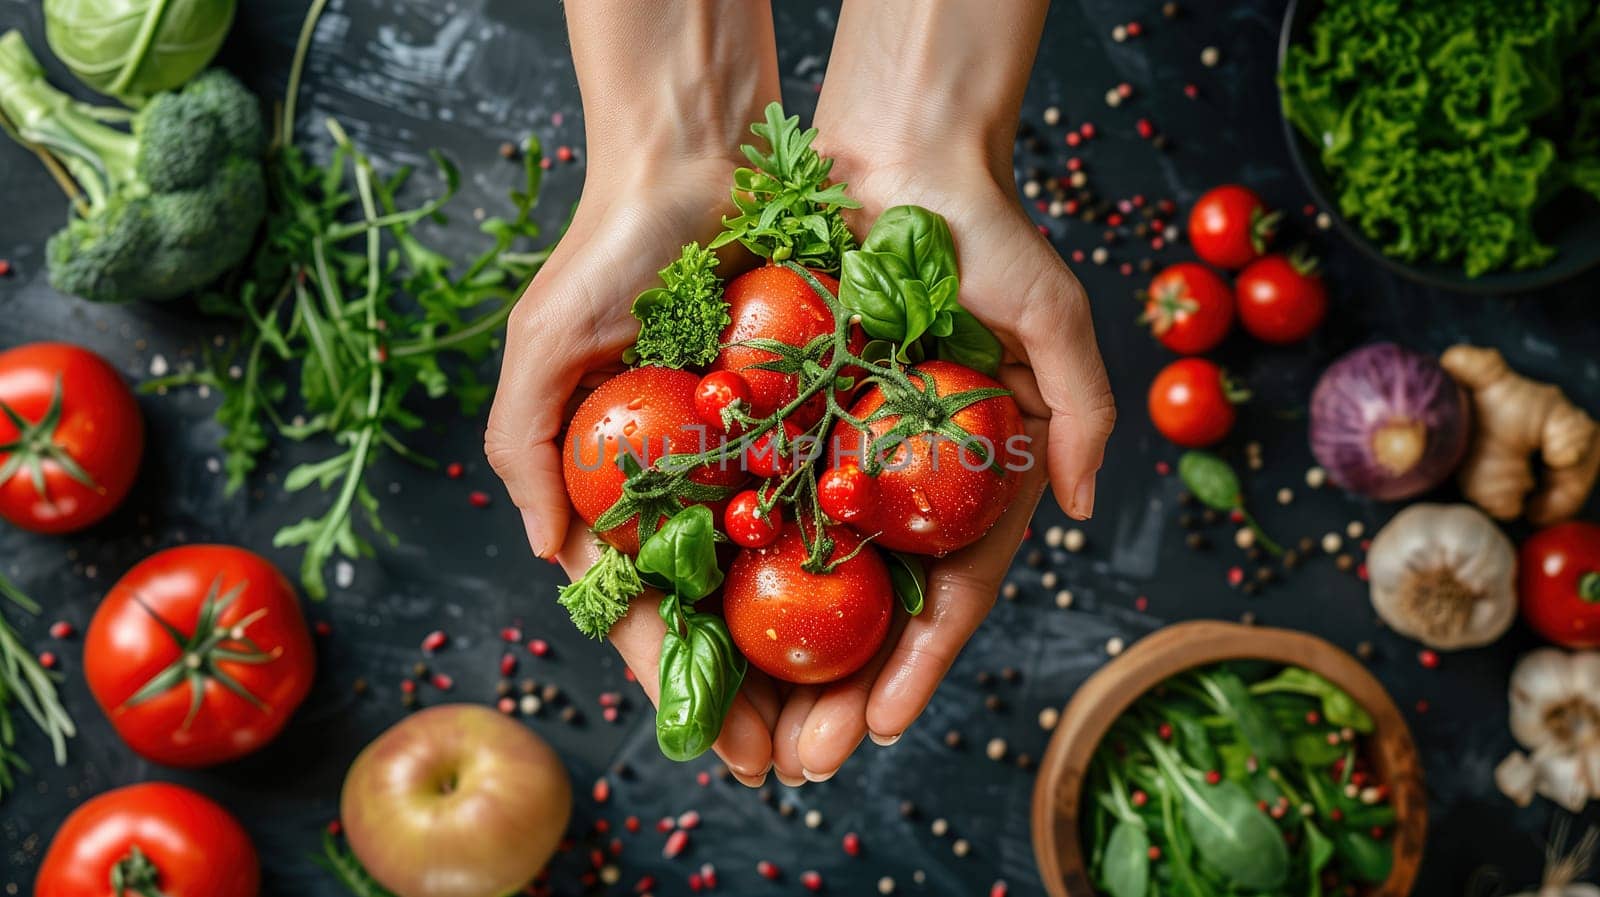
(681, 321)
(787, 208)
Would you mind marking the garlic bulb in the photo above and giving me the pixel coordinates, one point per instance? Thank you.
(1444, 575)
(1555, 715)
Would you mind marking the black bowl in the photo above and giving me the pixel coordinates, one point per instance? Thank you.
(1570, 223)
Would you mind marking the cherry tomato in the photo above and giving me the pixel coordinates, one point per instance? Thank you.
(236, 635)
(1558, 582)
(162, 839)
(76, 456)
(773, 302)
(1190, 403)
(1230, 225)
(745, 523)
(644, 413)
(808, 627)
(847, 493)
(1281, 298)
(1189, 309)
(764, 458)
(716, 391)
(937, 494)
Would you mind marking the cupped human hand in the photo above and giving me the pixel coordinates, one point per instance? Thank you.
(1014, 281)
(566, 335)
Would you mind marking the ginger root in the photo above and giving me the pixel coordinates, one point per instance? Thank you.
(1513, 417)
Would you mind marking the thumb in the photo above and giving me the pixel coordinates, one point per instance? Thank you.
(1057, 334)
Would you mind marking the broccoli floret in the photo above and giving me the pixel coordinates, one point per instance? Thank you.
(168, 205)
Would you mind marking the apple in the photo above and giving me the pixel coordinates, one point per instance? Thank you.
(455, 801)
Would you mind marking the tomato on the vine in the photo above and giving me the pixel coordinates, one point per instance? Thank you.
(155, 839)
(644, 414)
(773, 302)
(807, 627)
(1558, 583)
(747, 525)
(1191, 403)
(937, 492)
(765, 458)
(1281, 298)
(1230, 225)
(70, 437)
(715, 392)
(1189, 308)
(199, 655)
(847, 493)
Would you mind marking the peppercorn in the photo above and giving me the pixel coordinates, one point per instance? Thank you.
(1291, 559)
(1186, 498)
(1010, 674)
(419, 670)
(1197, 541)
(908, 810)
(1345, 563)
(1250, 588)
(1209, 517)
(952, 739)
(1265, 574)
(992, 703)
(359, 686)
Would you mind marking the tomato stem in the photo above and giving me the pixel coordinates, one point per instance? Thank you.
(135, 873)
(1589, 587)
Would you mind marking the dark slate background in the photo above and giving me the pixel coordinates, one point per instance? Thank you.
(466, 75)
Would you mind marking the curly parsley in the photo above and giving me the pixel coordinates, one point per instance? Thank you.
(599, 598)
(681, 322)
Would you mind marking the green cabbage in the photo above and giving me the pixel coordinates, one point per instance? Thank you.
(134, 49)
(1446, 126)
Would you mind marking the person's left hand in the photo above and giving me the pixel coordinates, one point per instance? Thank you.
(1012, 280)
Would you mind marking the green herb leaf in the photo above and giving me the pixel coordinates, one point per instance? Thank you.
(25, 683)
(970, 343)
(681, 321)
(787, 208)
(342, 863)
(1211, 480)
(1126, 872)
(1363, 856)
(700, 675)
(1338, 708)
(682, 555)
(599, 598)
(910, 580)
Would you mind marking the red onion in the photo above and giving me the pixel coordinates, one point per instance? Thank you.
(1388, 422)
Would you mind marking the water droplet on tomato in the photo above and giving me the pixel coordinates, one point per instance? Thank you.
(920, 524)
(636, 404)
(920, 499)
(629, 428)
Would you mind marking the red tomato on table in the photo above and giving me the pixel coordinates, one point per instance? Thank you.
(1190, 308)
(1281, 298)
(1558, 583)
(226, 677)
(163, 839)
(808, 627)
(70, 437)
(935, 494)
(1230, 225)
(773, 302)
(650, 413)
(1190, 403)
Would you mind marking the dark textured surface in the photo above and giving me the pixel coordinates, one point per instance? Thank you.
(404, 77)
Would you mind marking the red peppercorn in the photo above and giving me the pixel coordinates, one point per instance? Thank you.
(1336, 814)
(601, 792)
(564, 153)
(478, 499)
(335, 828)
(1114, 220)
(1213, 777)
(1191, 91)
(442, 682)
(1236, 515)
(453, 470)
(666, 824)
(851, 844)
(703, 779)
(1429, 658)
(47, 659)
(644, 884)
(709, 873)
(323, 628)
(998, 889)
(1140, 798)
(5, 267)
(508, 664)
(1313, 717)
(1145, 128)
(1087, 130)
(767, 870)
(676, 842)
(433, 641)
(539, 647)
(1377, 833)
(1124, 90)
(696, 882)
(62, 630)
(408, 687)
(1163, 468)
(1422, 706)
(1235, 576)
(507, 705)
(1073, 138)
(689, 819)
(1157, 243)
(1154, 852)
(631, 824)
(1164, 731)
(610, 714)
(1074, 164)
(811, 880)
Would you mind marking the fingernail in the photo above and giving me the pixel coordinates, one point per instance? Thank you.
(884, 740)
(751, 781)
(818, 776)
(785, 780)
(536, 534)
(1083, 499)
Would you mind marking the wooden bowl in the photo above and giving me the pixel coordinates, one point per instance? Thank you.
(1057, 796)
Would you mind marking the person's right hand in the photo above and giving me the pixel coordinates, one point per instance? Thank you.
(565, 336)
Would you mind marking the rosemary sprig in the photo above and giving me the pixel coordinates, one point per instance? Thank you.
(25, 683)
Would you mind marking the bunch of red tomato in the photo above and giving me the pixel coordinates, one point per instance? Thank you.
(198, 655)
(1278, 298)
(930, 497)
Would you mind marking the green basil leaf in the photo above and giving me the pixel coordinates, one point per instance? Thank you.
(1210, 479)
(910, 581)
(970, 343)
(1126, 871)
(682, 555)
(1365, 858)
(869, 286)
(919, 237)
(700, 675)
(918, 311)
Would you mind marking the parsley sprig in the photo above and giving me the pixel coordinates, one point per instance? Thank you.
(681, 321)
(787, 208)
